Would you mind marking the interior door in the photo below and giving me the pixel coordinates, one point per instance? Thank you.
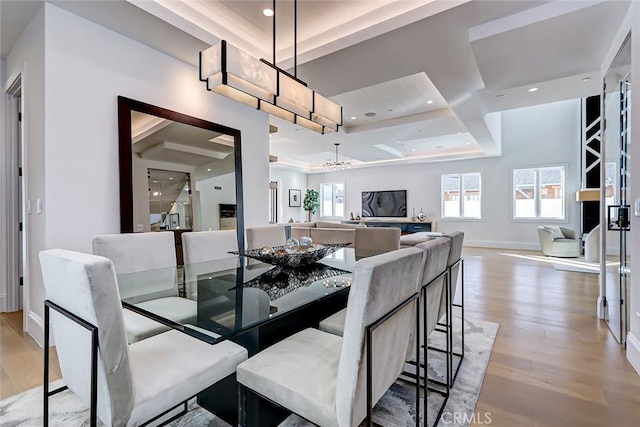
(617, 95)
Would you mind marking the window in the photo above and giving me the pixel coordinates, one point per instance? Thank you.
(538, 193)
(332, 200)
(610, 174)
(461, 195)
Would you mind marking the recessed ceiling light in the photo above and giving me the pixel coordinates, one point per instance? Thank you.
(430, 101)
(468, 143)
(209, 170)
(267, 12)
(586, 79)
(353, 117)
(370, 114)
(170, 179)
(155, 193)
(533, 89)
(501, 95)
(413, 149)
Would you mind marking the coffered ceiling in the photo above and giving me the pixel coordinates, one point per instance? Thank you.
(433, 75)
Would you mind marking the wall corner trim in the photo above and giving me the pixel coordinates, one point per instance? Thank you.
(35, 328)
(633, 351)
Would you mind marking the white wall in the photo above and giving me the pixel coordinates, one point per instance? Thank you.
(210, 198)
(633, 345)
(3, 196)
(27, 58)
(288, 180)
(534, 136)
(85, 67)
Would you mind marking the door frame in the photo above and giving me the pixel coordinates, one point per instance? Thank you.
(14, 242)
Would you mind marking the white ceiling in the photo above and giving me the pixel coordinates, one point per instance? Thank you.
(473, 59)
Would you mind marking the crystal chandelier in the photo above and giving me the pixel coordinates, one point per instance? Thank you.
(336, 164)
(260, 84)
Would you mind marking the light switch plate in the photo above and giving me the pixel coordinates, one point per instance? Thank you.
(28, 206)
(39, 206)
(637, 207)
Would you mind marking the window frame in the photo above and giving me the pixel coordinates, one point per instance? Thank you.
(538, 192)
(462, 216)
(333, 200)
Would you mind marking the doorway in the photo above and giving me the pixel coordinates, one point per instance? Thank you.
(617, 97)
(13, 211)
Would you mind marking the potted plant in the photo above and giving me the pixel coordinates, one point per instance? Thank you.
(311, 203)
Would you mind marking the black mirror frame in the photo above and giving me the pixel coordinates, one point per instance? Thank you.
(125, 107)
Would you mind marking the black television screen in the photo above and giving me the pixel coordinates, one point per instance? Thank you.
(384, 203)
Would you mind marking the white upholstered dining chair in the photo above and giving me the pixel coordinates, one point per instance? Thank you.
(323, 377)
(124, 385)
(268, 235)
(201, 247)
(139, 252)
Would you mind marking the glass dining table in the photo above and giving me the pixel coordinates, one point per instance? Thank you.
(243, 300)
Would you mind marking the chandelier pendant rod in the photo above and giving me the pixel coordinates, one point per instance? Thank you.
(274, 32)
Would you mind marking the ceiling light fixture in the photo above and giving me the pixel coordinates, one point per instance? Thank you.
(337, 164)
(267, 12)
(429, 102)
(260, 84)
(533, 89)
(353, 117)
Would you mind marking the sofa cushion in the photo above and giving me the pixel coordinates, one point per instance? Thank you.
(327, 224)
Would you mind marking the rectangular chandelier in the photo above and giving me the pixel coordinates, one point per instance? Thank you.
(235, 74)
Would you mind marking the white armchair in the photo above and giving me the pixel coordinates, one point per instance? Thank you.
(592, 245)
(558, 241)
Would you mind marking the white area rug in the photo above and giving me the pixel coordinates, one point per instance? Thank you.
(396, 408)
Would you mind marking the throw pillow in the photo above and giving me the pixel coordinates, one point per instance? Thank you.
(555, 231)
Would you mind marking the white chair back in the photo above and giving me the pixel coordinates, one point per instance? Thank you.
(203, 246)
(269, 235)
(380, 283)
(455, 253)
(86, 286)
(135, 252)
(437, 252)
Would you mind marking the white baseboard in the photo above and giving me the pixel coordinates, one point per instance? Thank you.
(35, 328)
(530, 246)
(633, 351)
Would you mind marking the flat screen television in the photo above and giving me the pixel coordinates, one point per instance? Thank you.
(384, 203)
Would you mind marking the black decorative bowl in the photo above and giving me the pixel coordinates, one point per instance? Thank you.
(296, 259)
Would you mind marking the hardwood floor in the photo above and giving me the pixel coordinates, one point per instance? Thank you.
(21, 358)
(553, 363)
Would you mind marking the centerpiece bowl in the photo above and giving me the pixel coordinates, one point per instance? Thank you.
(287, 257)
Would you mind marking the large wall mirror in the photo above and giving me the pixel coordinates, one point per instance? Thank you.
(177, 172)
